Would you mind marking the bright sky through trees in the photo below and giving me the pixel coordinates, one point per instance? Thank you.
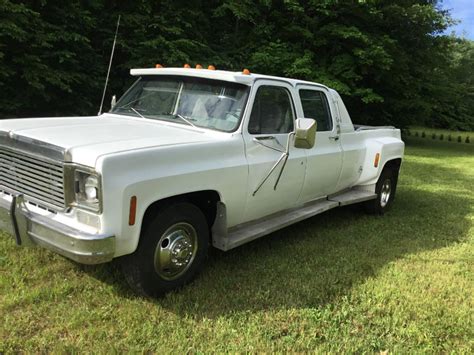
(463, 11)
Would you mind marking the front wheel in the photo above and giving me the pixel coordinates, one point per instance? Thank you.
(385, 190)
(171, 251)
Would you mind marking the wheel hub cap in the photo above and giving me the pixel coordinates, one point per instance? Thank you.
(175, 251)
(385, 192)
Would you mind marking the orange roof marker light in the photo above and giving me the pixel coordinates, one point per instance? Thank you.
(198, 66)
(246, 72)
(211, 67)
(158, 66)
(187, 65)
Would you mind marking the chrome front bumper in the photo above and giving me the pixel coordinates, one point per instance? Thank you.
(31, 228)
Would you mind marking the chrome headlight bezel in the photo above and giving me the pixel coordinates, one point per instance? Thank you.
(76, 178)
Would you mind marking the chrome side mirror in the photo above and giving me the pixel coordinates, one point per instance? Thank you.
(113, 102)
(305, 133)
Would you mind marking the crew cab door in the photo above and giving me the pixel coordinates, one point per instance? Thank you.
(324, 160)
(273, 185)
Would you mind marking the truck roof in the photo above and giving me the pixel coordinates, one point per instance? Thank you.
(231, 76)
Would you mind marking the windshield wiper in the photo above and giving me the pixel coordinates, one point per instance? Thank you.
(177, 115)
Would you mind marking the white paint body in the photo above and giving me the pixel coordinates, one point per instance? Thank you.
(153, 160)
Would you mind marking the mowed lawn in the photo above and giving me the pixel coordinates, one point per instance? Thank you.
(341, 281)
(442, 132)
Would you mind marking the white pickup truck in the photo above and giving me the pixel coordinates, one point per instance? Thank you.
(186, 158)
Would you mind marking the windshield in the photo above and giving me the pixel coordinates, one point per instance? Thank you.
(192, 101)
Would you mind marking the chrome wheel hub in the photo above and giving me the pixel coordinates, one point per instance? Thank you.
(175, 251)
(385, 192)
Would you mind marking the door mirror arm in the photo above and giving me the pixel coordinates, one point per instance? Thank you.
(284, 157)
(259, 140)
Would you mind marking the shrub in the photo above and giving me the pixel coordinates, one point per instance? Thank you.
(459, 139)
(433, 136)
(467, 140)
(441, 137)
(416, 134)
(423, 134)
(450, 138)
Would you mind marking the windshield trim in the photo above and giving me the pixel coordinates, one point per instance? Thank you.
(181, 122)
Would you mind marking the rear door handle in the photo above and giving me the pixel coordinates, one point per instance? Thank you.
(335, 138)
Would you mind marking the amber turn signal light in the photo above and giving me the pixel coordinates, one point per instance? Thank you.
(198, 66)
(211, 67)
(158, 66)
(187, 65)
(246, 72)
(377, 159)
(133, 211)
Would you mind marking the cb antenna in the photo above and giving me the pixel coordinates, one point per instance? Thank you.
(110, 65)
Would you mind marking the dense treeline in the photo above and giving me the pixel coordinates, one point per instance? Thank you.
(387, 58)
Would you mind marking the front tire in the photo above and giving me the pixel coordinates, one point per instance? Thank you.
(171, 251)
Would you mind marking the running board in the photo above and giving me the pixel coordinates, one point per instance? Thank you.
(352, 196)
(244, 233)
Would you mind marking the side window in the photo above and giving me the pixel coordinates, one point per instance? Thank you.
(316, 106)
(272, 111)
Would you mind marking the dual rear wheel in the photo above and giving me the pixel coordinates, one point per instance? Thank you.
(385, 189)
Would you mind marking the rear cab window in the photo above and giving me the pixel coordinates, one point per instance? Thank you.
(316, 106)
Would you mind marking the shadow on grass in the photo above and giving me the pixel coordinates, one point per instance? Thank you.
(313, 262)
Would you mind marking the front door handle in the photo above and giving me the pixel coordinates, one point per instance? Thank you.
(264, 138)
(335, 138)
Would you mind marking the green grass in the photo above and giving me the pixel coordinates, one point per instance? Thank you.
(343, 281)
(454, 134)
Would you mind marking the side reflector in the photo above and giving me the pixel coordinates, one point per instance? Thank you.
(377, 159)
(246, 72)
(187, 65)
(158, 66)
(198, 66)
(133, 211)
(211, 67)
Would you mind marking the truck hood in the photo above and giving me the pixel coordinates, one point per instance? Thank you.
(85, 139)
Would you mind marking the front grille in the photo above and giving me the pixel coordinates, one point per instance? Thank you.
(39, 180)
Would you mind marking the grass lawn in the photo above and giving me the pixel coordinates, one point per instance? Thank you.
(343, 281)
(446, 133)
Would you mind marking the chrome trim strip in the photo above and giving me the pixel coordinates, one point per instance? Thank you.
(33, 146)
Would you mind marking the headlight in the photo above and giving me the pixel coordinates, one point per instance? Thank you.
(91, 189)
(87, 190)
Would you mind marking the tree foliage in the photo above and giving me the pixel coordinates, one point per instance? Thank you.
(387, 59)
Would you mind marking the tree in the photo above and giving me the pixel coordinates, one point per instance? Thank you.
(387, 59)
